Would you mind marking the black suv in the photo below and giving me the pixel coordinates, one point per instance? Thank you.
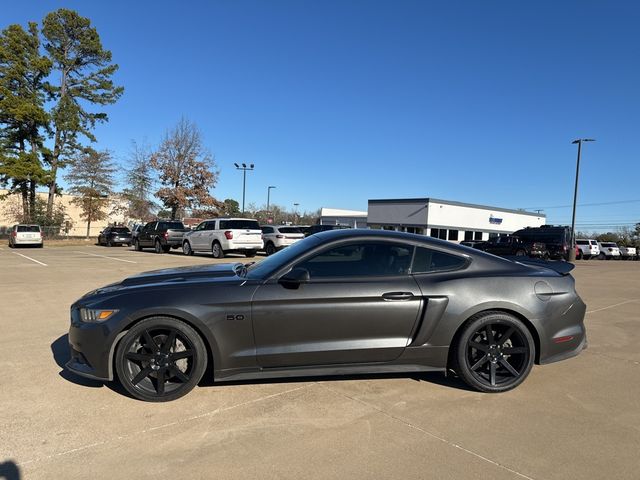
(556, 238)
(512, 245)
(322, 228)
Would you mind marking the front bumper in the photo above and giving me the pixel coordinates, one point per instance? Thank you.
(92, 346)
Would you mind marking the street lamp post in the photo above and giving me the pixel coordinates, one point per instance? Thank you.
(572, 251)
(244, 169)
(295, 212)
(269, 196)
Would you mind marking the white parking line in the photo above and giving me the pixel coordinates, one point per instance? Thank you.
(29, 258)
(611, 306)
(104, 256)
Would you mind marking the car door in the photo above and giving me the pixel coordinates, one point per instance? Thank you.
(145, 236)
(360, 305)
(208, 235)
(195, 237)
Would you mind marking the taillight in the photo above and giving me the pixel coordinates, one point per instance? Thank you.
(166, 235)
(14, 233)
(228, 234)
(564, 248)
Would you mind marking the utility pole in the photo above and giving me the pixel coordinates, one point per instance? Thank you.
(572, 252)
(244, 169)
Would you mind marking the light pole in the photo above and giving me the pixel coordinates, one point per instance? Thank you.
(295, 212)
(269, 195)
(244, 169)
(572, 252)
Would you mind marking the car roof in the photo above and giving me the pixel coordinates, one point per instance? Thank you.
(228, 218)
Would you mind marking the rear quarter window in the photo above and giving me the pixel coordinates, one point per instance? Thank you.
(427, 260)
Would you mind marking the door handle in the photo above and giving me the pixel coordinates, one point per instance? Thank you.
(396, 296)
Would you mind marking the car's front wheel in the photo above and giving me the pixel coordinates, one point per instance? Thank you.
(270, 249)
(186, 249)
(157, 247)
(136, 245)
(160, 359)
(495, 352)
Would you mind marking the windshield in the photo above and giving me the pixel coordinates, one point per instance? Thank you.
(120, 230)
(609, 245)
(289, 230)
(261, 270)
(239, 225)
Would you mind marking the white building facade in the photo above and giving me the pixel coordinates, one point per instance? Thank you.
(449, 220)
(338, 216)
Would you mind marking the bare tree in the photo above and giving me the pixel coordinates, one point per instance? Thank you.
(187, 170)
(91, 180)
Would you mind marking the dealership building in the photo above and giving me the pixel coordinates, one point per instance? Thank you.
(448, 220)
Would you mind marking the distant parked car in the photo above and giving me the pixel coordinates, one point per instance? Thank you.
(627, 253)
(588, 248)
(477, 244)
(509, 245)
(224, 235)
(276, 237)
(135, 230)
(111, 236)
(557, 239)
(25, 235)
(608, 250)
(161, 235)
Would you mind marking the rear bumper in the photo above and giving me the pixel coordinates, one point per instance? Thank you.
(245, 246)
(564, 335)
(27, 241)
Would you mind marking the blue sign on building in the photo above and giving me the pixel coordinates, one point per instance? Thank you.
(495, 220)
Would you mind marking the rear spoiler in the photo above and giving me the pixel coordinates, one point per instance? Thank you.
(559, 266)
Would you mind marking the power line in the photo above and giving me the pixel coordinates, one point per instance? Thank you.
(617, 202)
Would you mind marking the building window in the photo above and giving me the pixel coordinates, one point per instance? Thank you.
(442, 235)
(453, 234)
(492, 236)
(468, 235)
(477, 235)
(434, 232)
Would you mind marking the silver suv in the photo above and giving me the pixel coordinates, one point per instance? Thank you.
(224, 235)
(279, 236)
(24, 234)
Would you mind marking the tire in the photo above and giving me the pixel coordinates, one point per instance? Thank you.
(216, 250)
(186, 249)
(160, 359)
(157, 247)
(546, 257)
(136, 245)
(109, 243)
(487, 361)
(521, 253)
(270, 249)
(250, 253)
(602, 256)
(580, 255)
(166, 249)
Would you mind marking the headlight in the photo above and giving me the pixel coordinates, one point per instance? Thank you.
(92, 316)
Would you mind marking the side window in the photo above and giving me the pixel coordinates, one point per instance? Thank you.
(428, 260)
(267, 229)
(223, 225)
(162, 225)
(361, 259)
(210, 225)
(149, 226)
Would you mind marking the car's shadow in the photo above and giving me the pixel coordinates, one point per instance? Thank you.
(61, 355)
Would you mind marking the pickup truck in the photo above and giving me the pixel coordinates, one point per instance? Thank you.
(161, 235)
(627, 253)
(509, 245)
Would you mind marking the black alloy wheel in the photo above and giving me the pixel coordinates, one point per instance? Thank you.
(158, 247)
(160, 359)
(186, 249)
(495, 352)
(270, 249)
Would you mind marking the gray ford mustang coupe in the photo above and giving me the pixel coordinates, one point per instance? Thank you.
(338, 302)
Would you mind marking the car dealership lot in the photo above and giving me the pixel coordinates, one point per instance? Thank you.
(574, 419)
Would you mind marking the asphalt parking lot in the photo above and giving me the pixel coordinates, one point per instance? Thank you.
(575, 419)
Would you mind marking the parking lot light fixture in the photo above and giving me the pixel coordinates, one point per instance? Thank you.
(572, 250)
(269, 196)
(244, 169)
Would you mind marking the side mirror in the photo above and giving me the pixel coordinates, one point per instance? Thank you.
(294, 278)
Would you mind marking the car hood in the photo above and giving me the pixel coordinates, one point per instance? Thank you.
(199, 272)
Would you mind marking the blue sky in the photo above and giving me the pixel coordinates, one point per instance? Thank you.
(336, 102)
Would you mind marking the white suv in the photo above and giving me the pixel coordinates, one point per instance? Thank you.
(608, 250)
(224, 235)
(24, 234)
(588, 248)
(627, 253)
(279, 236)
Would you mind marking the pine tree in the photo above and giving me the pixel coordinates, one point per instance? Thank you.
(85, 69)
(139, 183)
(23, 118)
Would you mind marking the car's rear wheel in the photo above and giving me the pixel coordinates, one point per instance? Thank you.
(520, 253)
(495, 352)
(270, 249)
(186, 248)
(157, 247)
(216, 250)
(160, 359)
(109, 243)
